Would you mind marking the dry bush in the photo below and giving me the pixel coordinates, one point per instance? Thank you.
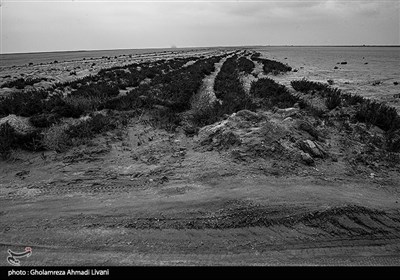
(84, 103)
(272, 93)
(6, 140)
(55, 138)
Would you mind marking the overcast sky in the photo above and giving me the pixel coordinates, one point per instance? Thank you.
(30, 26)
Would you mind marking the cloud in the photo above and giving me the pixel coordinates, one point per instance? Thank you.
(303, 10)
(48, 25)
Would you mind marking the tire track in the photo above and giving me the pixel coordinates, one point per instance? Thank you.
(348, 221)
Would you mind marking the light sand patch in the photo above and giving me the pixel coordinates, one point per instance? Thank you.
(206, 94)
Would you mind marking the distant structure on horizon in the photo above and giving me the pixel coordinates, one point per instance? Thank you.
(173, 47)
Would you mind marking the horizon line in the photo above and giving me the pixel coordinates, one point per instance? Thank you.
(202, 47)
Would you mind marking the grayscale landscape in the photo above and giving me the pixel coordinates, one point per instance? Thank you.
(225, 154)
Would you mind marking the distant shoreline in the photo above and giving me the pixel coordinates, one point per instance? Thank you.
(347, 46)
(106, 50)
(183, 48)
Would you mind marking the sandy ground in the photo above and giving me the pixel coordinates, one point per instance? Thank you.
(165, 203)
(145, 196)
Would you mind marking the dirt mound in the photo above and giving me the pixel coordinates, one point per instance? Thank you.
(21, 125)
(249, 135)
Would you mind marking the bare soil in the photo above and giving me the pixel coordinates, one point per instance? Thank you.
(165, 202)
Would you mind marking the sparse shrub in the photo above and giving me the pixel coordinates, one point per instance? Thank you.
(229, 89)
(173, 89)
(26, 103)
(84, 104)
(125, 102)
(55, 138)
(29, 142)
(367, 111)
(306, 86)
(21, 83)
(165, 119)
(333, 101)
(76, 84)
(271, 66)
(272, 93)
(352, 99)
(60, 137)
(43, 120)
(6, 140)
(57, 105)
(207, 115)
(98, 90)
(92, 126)
(275, 67)
(176, 88)
(378, 114)
(245, 65)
